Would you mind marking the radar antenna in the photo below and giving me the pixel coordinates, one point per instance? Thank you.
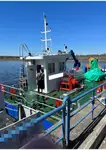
(47, 48)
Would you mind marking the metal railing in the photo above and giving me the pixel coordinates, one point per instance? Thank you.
(20, 99)
(92, 102)
(62, 122)
(67, 114)
(37, 100)
(40, 119)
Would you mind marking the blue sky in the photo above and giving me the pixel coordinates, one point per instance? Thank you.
(79, 25)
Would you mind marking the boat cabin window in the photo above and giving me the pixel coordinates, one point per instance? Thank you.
(61, 66)
(51, 68)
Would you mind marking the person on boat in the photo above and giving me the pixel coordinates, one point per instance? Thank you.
(40, 80)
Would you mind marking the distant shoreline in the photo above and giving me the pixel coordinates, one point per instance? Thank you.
(101, 58)
(86, 60)
(9, 58)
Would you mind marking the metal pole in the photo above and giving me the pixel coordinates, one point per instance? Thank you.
(64, 115)
(68, 120)
(63, 126)
(19, 111)
(45, 32)
(93, 102)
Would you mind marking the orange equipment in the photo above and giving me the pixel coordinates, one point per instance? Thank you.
(12, 91)
(58, 103)
(68, 83)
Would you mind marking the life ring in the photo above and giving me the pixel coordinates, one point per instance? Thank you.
(2, 88)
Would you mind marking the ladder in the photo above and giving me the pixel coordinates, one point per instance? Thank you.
(22, 78)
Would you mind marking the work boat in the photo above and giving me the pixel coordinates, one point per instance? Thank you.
(24, 101)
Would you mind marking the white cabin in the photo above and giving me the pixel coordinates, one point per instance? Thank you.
(53, 70)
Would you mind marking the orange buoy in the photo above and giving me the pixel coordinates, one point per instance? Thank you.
(99, 90)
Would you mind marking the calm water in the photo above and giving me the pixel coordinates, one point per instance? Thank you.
(10, 70)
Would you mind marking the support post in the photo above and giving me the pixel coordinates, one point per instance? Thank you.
(105, 99)
(93, 102)
(46, 77)
(63, 126)
(68, 120)
(19, 112)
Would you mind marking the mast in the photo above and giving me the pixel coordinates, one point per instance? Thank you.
(46, 40)
(65, 48)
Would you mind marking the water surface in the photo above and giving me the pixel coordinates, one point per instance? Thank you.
(10, 70)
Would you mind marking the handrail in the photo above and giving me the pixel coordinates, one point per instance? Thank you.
(92, 101)
(32, 102)
(82, 95)
(66, 114)
(27, 102)
(51, 112)
(47, 96)
(45, 116)
(13, 87)
(13, 124)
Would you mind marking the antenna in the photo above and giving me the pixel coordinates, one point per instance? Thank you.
(45, 40)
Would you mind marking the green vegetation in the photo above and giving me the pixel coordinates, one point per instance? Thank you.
(101, 57)
(9, 58)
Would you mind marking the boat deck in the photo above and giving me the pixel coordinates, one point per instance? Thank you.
(47, 102)
(59, 95)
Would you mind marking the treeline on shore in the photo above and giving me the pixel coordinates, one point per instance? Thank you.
(9, 58)
(101, 57)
